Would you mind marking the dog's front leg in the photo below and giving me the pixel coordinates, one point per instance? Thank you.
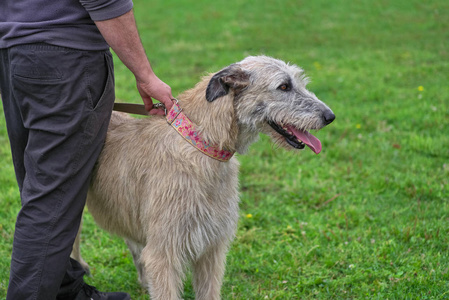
(164, 273)
(208, 272)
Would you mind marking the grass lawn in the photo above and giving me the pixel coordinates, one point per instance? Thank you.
(368, 218)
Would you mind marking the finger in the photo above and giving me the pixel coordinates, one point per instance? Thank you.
(157, 111)
(168, 102)
(148, 103)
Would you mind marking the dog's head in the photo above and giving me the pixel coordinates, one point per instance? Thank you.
(270, 96)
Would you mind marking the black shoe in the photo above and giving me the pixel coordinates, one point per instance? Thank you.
(88, 292)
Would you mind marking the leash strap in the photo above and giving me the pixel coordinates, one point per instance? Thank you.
(186, 128)
(131, 108)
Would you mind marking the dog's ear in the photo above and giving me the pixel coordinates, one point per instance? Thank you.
(232, 77)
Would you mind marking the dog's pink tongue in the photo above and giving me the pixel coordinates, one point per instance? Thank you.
(311, 141)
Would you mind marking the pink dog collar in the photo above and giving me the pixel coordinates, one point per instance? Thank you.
(185, 127)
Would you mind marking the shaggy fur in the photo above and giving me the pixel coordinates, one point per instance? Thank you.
(174, 206)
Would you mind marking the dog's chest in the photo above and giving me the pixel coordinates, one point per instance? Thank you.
(211, 209)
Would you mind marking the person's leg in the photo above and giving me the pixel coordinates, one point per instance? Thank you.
(18, 134)
(64, 100)
(72, 281)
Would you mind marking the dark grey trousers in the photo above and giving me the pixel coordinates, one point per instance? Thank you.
(57, 104)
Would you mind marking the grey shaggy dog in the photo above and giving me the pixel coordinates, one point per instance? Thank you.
(178, 208)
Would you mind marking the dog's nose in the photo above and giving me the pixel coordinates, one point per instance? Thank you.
(328, 117)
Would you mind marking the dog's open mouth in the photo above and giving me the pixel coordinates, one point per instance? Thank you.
(297, 138)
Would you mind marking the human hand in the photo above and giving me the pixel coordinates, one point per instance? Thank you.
(155, 88)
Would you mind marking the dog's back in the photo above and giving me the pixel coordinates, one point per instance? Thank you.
(118, 118)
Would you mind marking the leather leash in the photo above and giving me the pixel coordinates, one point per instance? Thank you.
(131, 108)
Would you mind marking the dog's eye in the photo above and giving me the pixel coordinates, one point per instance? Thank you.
(284, 87)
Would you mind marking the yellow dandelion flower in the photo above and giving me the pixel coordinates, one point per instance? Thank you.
(358, 126)
(249, 216)
(317, 65)
(420, 88)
